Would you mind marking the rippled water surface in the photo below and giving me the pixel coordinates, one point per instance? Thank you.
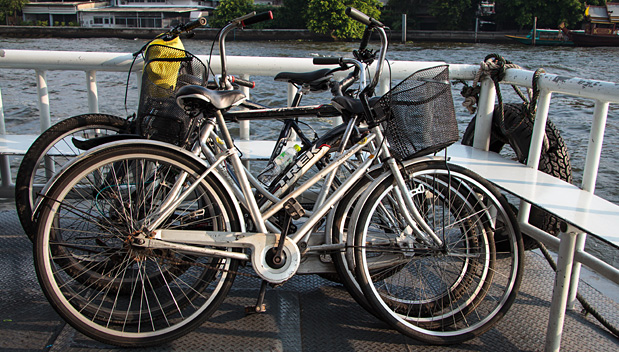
(571, 115)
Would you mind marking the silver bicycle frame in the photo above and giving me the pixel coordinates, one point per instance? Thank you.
(245, 194)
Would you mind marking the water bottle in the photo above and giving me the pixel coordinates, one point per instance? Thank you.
(279, 164)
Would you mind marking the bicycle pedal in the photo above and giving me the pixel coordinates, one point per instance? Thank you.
(255, 309)
(294, 208)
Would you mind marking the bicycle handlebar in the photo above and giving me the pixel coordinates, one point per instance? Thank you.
(380, 28)
(363, 18)
(242, 82)
(265, 16)
(327, 61)
(195, 24)
(187, 27)
(242, 21)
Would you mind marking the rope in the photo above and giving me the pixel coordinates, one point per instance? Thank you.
(587, 307)
(494, 67)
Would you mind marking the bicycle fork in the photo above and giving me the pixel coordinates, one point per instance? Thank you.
(404, 198)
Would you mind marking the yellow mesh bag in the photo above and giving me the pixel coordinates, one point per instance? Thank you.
(161, 72)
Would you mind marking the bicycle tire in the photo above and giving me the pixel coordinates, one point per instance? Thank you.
(342, 259)
(33, 171)
(182, 293)
(450, 296)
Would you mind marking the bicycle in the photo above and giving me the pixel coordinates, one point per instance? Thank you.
(69, 137)
(174, 230)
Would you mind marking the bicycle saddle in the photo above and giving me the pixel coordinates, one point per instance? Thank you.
(351, 105)
(317, 80)
(191, 97)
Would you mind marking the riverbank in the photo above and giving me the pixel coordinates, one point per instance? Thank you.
(245, 34)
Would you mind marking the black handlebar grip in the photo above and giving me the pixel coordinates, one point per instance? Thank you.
(242, 82)
(363, 18)
(366, 38)
(195, 24)
(327, 61)
(265, 16)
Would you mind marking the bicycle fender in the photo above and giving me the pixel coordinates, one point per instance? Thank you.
(97, 141)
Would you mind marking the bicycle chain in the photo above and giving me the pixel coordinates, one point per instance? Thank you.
(176, 261)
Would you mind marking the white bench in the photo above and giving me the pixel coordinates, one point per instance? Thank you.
(586, 212)
(16, 144)
(582, 209)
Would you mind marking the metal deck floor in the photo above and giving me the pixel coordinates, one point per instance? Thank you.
(307, 313)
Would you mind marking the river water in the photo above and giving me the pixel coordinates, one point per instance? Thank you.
(571, 115)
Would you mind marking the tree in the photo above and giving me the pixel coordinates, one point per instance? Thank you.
(550, 14)
(454, 14)
(229, 10)
(328, 17)
(8, 7)
(392, 14)
(291, 15)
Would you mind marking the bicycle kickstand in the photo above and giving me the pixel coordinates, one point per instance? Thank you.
(260, 307)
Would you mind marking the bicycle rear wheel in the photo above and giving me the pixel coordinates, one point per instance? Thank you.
(50, 151)
(97, 280)
(439, 295)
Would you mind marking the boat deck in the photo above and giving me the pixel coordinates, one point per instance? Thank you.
(307, 313)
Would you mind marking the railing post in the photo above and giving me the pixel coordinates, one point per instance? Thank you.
(561, 286)
(5, 165)
(2, 123)
(594, 149)
(91, 86)
(244, 128)
(403, 28)
(539, 129)
(44, 114)
(537, 141)
(592, 163)
(384, 84)
(485, 111)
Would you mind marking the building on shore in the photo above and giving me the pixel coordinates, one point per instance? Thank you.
(146, 13)
(57, 12)
(117, 13)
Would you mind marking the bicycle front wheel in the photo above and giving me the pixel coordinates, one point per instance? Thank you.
(97, 280)
(50, 151)
(448, 294)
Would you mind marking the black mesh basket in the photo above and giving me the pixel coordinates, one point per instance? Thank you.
(167, 69)
(417, 115)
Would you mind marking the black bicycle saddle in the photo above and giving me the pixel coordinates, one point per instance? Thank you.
(188, 96)
(317, 80)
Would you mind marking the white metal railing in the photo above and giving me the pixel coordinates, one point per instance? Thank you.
(603, 93)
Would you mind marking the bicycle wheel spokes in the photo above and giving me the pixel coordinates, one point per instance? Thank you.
(51, 151)
(102, 284)
(443, 295)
